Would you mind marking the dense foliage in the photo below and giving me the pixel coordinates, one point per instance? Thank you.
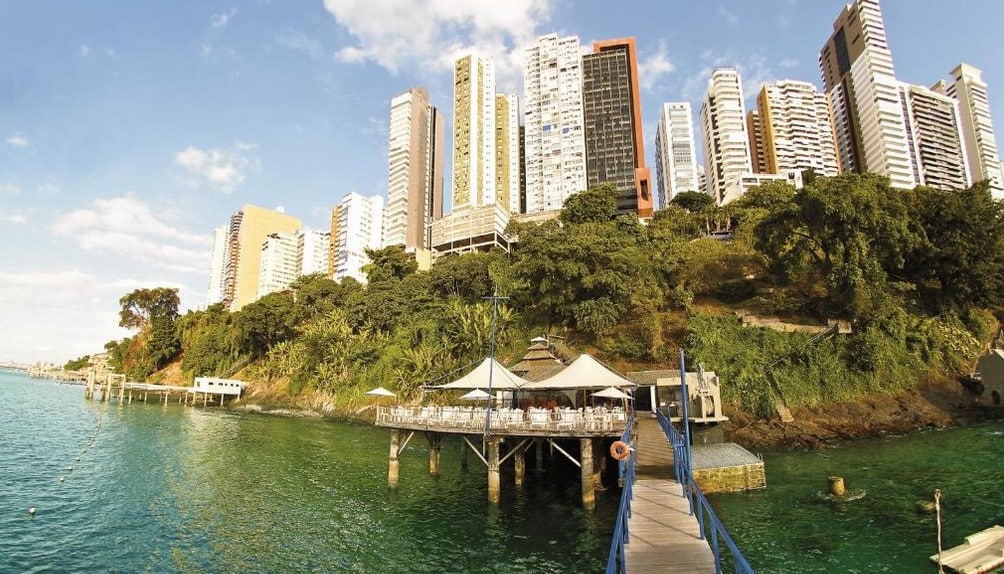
(917, 273)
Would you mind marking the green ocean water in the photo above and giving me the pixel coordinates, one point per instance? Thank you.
(790, 528)
(184, 489)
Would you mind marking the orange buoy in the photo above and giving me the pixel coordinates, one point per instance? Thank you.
(620, 450)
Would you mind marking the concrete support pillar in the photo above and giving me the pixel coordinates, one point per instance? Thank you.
(107, 395)
(588, 492)
(494, 483)
(465, 452)
(435, 449)
(121, 393)
(144, 396)
(599, 463)
(519, 463)
(393, 468)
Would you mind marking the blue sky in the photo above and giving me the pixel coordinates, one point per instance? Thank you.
(129, 130)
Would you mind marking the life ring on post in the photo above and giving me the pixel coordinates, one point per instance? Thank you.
(620, 450)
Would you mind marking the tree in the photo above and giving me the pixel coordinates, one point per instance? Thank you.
(595, 205)
(845, 232)
(692, 201)
(960, 261)
(153, 312)
(263, 324)
(391, 262)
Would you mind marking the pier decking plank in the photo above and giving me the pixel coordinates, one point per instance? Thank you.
(664, 537)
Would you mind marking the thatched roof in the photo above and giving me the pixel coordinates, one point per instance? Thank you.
(538, 363)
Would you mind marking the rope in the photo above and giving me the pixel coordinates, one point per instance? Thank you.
(937, 510)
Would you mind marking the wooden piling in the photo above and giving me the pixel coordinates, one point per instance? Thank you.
(494, 482)
(519, 464)
(435, 449)
(393, 467)
(540, 454)
(588, 491)
(464, 454)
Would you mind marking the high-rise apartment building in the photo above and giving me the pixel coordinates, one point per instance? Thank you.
(968, 87)
(218, 265)
(675, 152)
(507, 159)
(723, 126)
(415, 160)
(754, 129)
(249, 228)
(313, 249)
(859, 79)
(611, 106)
(278, 263)
(555, 156)
(795, 126)
(473, 132)
(356, 224)
(937, 151)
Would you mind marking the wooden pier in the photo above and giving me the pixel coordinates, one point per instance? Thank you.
(664, 536)
(511, 435)
(113, 386)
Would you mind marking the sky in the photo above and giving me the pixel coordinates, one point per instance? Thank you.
(130, 130)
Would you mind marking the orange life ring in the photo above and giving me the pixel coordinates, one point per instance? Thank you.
(620, 450)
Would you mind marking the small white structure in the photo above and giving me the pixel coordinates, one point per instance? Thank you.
(217, 386)
(991, 369)
(703, 390)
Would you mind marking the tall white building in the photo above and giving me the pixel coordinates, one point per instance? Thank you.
(938, 154)
(554, 135)
(507, 162)
(313, 251)
(968, 87)
(278, 266)
(356, 225)
(415, 170)
(796, 129)
(218, 265)
(675, 152)
(859, 79)
(723, 126)
(473, 132)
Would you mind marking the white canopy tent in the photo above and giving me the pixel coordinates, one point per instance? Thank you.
(612, 393)
(380, 392)
(476, 395)
(502, 379)
(585, 372)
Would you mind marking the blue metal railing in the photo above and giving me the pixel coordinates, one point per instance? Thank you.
(706, 517)
(620, 537)
(683, 471)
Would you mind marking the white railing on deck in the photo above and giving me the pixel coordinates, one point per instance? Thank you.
(590, 419)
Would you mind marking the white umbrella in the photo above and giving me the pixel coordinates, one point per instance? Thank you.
(380, 392)
(476, 395)
(612, 393)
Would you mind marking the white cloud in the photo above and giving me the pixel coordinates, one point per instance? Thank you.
(16, 217)
(52, 315)
(9, 188)
(223, 169)
(48, 188)
(653, 66)
(728, 16)
(17, 140)
(431, 34)
(221, 20)
(84, 50)
(127, 227)
(299, 42)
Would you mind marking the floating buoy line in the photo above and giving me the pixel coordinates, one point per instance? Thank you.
(76, 461)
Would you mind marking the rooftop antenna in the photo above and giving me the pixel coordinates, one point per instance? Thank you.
(491, 356)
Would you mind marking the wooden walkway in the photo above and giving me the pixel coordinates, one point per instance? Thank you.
(664, 537)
